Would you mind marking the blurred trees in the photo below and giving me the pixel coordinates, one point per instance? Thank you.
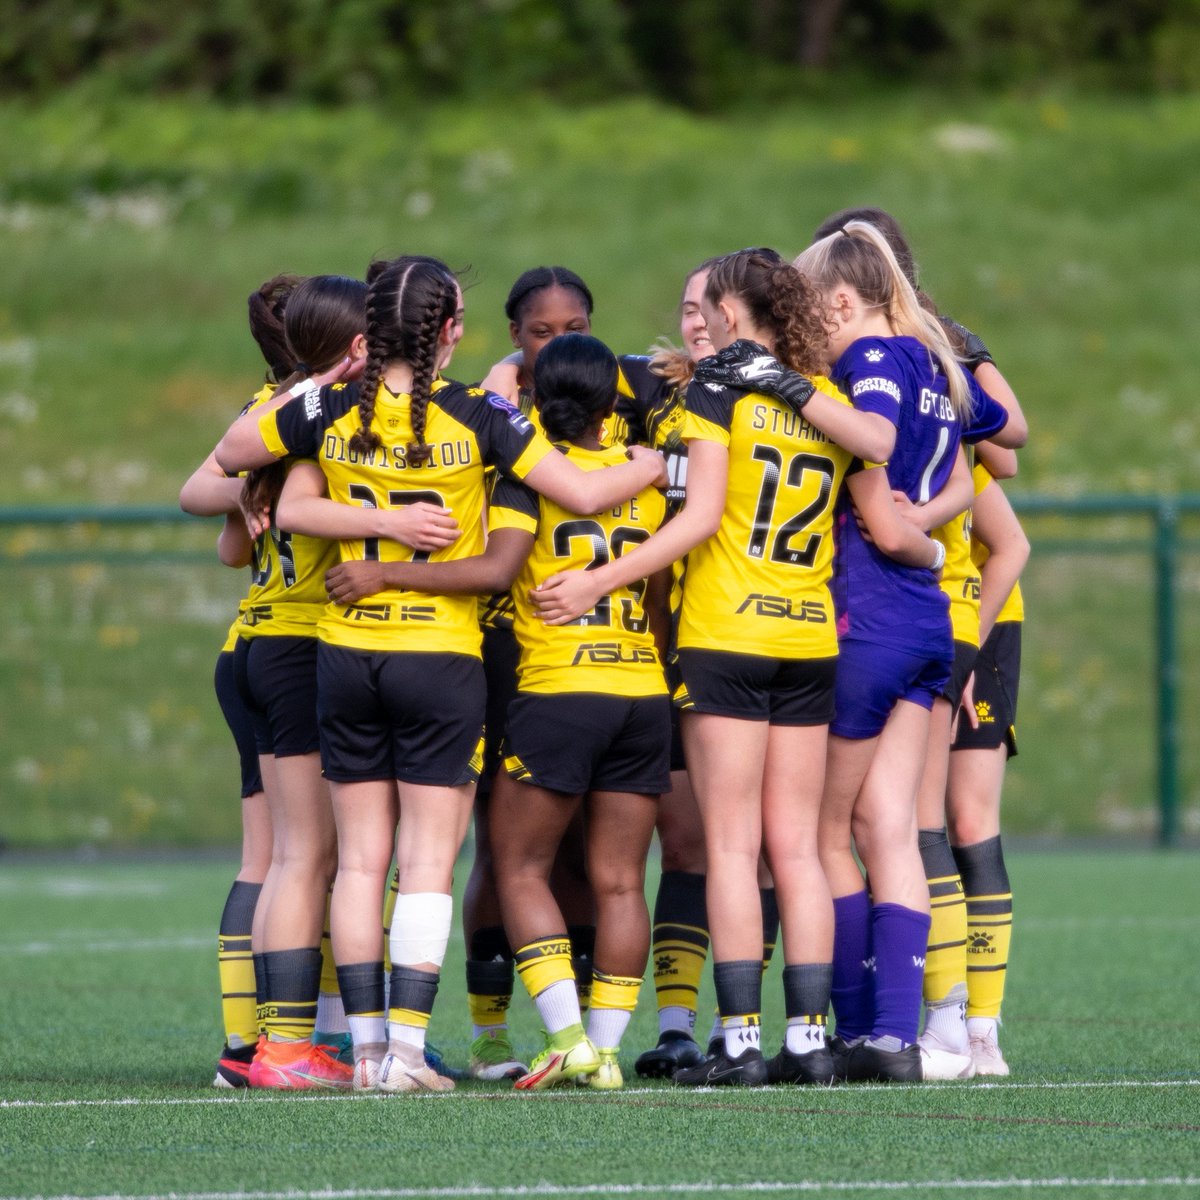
(698, 53)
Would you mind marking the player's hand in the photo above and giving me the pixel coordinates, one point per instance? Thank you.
(638, 453)
(909, 511)
(750, 367)
(421, 526)
(502, 379)
(565, 597)
(258, 520)
(352, 581)
(967, 703)
(969, 345)
(346, 369)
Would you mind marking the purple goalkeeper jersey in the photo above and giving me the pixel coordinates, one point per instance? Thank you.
(877, 598)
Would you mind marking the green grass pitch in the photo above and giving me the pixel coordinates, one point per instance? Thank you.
(111, 1024)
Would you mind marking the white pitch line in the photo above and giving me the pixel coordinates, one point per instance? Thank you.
(79, 946)
(759, 1187)
(244, 1096)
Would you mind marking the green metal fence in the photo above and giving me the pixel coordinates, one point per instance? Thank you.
(111, 618)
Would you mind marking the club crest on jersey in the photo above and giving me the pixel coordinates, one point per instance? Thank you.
(874, 356)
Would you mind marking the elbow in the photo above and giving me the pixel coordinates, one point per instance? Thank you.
(891, 540)
(1015, 433)
(880, 448)
(286, 515)
(224, 458)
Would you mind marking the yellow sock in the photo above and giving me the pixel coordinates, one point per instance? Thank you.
(989, 924)
(235, 966)
(946, 952)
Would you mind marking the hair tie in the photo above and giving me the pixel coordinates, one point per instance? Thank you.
(304, 368)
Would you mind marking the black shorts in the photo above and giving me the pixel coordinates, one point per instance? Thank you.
(277, 678)
(997, 676)
(752, 687)
(501, 654)
(240, 721)
(400, 715)
(577, 742)
(964, 663)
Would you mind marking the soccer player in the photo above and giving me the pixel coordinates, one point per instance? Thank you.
(894, 360)
(757, 526)
(588, 728)
(649, 410)
(945, 1040)
(543, 303)
(404, 439)
(985, 740)
(274, 666)
(210, 492)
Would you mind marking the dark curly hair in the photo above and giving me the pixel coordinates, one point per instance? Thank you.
(779, 299)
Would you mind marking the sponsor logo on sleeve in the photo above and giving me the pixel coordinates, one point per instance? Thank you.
(877, 383)
(312, 403)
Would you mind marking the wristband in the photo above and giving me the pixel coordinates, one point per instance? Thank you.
(939, 556)
(298, 389)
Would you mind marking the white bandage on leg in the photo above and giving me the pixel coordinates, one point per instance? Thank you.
(420, 928)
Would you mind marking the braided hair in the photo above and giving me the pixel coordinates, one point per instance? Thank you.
(408, 303)
(779, 299)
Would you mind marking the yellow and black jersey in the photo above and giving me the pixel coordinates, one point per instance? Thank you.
(496, 612)
(468, 429)
(287, 578)
(1014, 607)
(231, 638)
(653, 410)
(960, 577)
(760, 584)
(610, 649)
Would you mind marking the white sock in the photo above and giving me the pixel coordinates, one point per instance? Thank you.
(801, 1037)
(407, 1035)
(947, 1024)
(984, 1027)
(558, 1006)
(500, 1030)
(740, 1038)
(674, 1018)
(367, 1031)
(606, 1026)
(331, 1013)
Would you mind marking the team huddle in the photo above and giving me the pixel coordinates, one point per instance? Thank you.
(758, 594)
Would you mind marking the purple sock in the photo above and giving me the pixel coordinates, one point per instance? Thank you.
(853, 993)
(899, 936)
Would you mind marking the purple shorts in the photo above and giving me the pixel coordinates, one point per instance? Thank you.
(871, 678)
